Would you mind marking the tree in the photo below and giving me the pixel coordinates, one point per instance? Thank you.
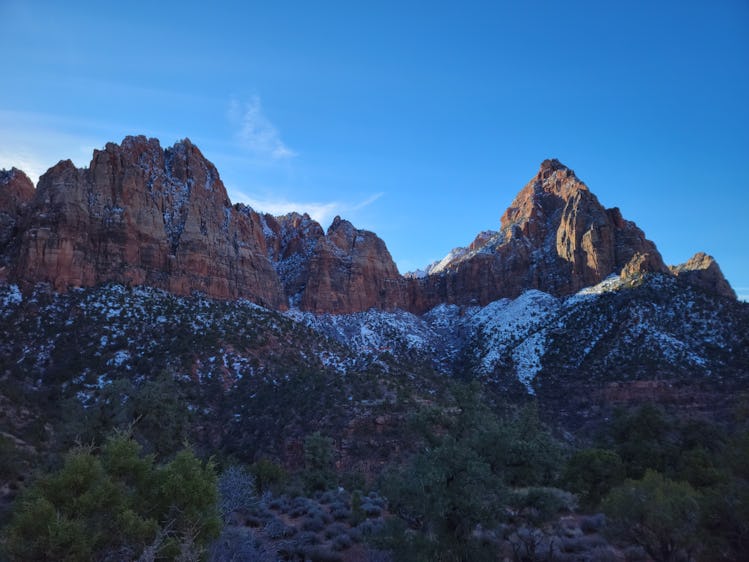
(113, 505)
(645, 439)
(657, 513)
(592, 473)
(318, 462)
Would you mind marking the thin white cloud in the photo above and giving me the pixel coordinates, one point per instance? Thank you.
(322, 212)
(256, 132)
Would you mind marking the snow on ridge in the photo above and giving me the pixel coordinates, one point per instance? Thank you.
(505, 330)
(513, 328)
(612, 283)
(456, 254)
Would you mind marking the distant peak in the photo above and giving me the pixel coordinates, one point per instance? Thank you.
(338, 224)
(552, 164)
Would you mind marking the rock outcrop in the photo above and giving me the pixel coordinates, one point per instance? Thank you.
(16, 191)
(555, 237)
(703, 271)
(342, 271)
(140, 214)
(143, 215)
(292, 240)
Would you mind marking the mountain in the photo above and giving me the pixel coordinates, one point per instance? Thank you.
(554, 237)
(143, 215)
(134, 295)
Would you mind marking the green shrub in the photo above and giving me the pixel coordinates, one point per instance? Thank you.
(113, 505)
(657, 513)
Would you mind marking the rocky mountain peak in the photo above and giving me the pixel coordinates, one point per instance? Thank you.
(146, 215)
(140, 214)
(555, 237)
(702, 270)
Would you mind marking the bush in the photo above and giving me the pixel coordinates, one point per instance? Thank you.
(268, 474)
(334, 530)
(277, 529)
(318, 462)
(236, 489)
(313, 523)
(371, 510)
(235, 544)
(115, 505)
(591, 473)
(590, 524)
(656, 513)
(307, 538)
(342, 542)
(321, 554)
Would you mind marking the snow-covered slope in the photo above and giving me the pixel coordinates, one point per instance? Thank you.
(657, 329)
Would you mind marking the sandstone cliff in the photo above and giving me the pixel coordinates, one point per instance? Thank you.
(555, 237)
(140, 214)
(143, 215)
(344, 270)
(703, 271)
(16, 191)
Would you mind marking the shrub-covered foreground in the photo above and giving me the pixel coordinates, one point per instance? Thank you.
(483, 483)
(116, 504)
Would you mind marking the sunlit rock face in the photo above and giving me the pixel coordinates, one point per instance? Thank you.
(144, 215)
(140, 214)
(555, 237)
(340, 271)
(703, 271)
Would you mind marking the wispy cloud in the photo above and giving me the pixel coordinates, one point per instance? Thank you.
(256, 132)
(742, 293)
(322, 212)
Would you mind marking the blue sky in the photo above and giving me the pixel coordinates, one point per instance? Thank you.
(418, 120)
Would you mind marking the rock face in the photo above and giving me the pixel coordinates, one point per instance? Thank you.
(292, 240)
(555, 237)
(703, 271)
(16, 191)
(342, 271)
(143, 215)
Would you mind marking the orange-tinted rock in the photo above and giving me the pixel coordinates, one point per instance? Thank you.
(143, 215)
(16, 191)
(555, 237)
(703, 271)
(351, 270)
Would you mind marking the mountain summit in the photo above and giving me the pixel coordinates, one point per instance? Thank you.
(143, 215)
(555, 237)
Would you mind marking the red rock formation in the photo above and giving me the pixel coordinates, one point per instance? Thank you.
(143, 215)
(358, 262)
(16, 191)
(292, 240)
(703, 271)
(555, 237)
